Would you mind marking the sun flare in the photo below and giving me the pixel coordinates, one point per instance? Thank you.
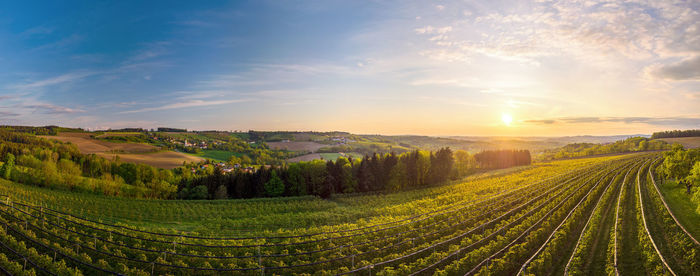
(507, 119)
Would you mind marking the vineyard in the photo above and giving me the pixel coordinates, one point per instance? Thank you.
(586, 216)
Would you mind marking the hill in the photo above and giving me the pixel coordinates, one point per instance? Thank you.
(687, 142)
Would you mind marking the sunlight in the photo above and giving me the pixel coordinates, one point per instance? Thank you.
(507, 119)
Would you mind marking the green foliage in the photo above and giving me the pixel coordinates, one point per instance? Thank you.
(632, 144)
(274, 187)
(676, 133)
(678, 163)
(58, 165)
(199, 192)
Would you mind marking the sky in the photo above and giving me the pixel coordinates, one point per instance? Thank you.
(506, 68)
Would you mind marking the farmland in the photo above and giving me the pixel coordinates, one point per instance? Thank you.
(218, 155)
(128, 152)
(687, 142)
(600, 213)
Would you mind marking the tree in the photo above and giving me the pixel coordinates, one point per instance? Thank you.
(397, 177)
(274, 187)
(221, 192)
(677, 165)
(693, 178)
(8, 166)
(199, 192)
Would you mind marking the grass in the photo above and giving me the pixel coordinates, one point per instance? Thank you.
(218, 155)
(334, 156)
(681, 206)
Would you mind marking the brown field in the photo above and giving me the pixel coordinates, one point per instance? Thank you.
(118, 134)
(163, 159)
(307, 157)
(687, 142)
(296, 146)
(128, 152)
(87, 145)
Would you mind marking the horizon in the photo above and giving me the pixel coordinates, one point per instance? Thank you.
(449, 68)
(366, 134)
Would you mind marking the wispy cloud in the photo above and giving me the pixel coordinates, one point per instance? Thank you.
(688, 69)
(664, 121)
(48, 108)
(69, 77)
(195, 23)
(185, 104)
(61, 43)
(38, 30)
(8, 114)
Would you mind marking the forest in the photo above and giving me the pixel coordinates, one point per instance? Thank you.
(676, 133)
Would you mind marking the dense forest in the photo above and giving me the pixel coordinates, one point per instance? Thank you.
(631, 144)
(390, 172)
(676, 133)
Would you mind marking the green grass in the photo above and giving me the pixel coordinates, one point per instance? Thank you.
(334, 156)
(681, 205)
(218, 155)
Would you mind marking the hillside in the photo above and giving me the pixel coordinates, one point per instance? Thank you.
(687, 142)
(127, 152)
(506, 217)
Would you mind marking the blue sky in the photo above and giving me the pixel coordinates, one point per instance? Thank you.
(392, 67)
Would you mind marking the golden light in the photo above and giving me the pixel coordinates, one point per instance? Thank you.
(507, 119)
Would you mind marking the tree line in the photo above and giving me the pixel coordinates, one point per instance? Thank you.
(632, 144)
(499, 159)
(676, 133)
(374, 173)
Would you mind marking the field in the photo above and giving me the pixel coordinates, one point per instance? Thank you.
(681, 206)
(296, 146)
(583, 216)
(88, 145)
(218, 155)
(128, 152)
(117, 134)
(305, 157)
(161, 159)
(334, 156)
(687, 142)
(324, 156)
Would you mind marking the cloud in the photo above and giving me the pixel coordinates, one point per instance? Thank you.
(588, 30)
(195, 23)
(434, 30)
(688, 69)
(61, 43)
(38, 30)
(663, 121)
(190, 103)
(69, 77)
(150, 51)
(8, 114)
(540, 122)
(52, 109)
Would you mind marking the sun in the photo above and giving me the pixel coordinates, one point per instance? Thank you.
(507, 119)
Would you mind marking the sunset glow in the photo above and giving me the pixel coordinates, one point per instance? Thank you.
(507, 119)
(563, 67)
